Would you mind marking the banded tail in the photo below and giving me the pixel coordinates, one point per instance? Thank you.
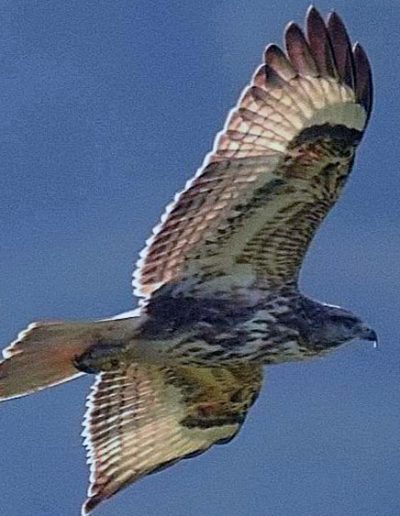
(45, 353)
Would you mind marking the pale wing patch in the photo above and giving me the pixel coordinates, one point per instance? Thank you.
(145, 418)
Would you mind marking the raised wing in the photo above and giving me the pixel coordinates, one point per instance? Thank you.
(275, 170)
(145, 418)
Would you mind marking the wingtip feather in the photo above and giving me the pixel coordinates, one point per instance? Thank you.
(90, 504)
(299, 51)
(320, 44)
(276, 59)
(364, 86)
(342, 48)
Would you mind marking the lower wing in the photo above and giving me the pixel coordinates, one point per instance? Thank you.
(145, 418)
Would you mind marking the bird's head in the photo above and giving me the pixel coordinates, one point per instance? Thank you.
(338, 326)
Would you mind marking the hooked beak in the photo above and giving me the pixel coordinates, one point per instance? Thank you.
(370, 334)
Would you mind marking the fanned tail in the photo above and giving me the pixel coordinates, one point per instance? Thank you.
(44, 354)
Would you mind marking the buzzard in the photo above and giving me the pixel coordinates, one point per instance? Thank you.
(218, 280)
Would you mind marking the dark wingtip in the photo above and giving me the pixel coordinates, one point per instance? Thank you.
(291, 27)
(298, 50)
(275, 58)
(312, 11)
(342, 48)
(364, 86)
(320, 43)
(334, 19)
(314, 16)
(90, 504)
(330, 46)
(323, 49)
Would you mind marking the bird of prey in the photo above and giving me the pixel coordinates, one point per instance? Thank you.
(218, 280)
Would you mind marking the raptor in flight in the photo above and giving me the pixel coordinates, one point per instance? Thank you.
(218, 279)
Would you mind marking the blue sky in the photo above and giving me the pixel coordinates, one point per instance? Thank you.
(106, 109)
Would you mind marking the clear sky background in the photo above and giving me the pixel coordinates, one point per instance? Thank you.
(106, 109)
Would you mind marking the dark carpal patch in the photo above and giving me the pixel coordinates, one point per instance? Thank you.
(340, 132)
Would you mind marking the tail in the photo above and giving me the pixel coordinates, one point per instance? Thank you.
(44, 354)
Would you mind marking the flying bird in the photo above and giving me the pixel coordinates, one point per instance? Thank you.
(218, 280)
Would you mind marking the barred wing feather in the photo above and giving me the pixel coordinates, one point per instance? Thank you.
(145, 418)
(275, 170)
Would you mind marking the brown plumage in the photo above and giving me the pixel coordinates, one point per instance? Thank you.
(219, 276)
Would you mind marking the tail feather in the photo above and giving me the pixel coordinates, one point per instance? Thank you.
(44, 354)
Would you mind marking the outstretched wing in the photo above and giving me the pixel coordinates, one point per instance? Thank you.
(275, 170)
(145, 418)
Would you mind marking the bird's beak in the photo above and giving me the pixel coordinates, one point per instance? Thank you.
(370, 334)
